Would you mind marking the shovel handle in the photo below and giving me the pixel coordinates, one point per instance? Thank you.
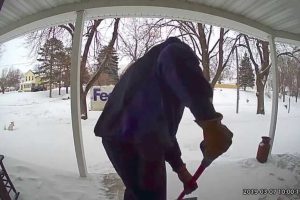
(197, 174)
(205, 163)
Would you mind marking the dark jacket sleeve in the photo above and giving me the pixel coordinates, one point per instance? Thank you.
(173, 156)
(179, 69)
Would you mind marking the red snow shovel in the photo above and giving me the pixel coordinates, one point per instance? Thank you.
(204, 163)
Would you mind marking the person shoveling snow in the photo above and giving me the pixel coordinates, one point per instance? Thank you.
(139, 122)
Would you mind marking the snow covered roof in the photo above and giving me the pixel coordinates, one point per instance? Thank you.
(280, 18)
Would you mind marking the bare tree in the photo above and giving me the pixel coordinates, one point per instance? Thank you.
(261, 66)
(109, 50)
(289, 76)
(3, 80)
(288, 50)
(91, 39)
(137, 37)
(208, 42)
(9, 78)
(35, 40)
(282, 76)
(259, 56)
(288, 65)
(92, 34)
(225, 50)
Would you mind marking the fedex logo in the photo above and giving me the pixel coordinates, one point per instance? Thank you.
(103, 96)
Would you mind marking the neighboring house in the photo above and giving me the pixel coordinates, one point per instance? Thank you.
(30, 81)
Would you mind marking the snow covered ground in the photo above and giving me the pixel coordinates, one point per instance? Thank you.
(40, 155)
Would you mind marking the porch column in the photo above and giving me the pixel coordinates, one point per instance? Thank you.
(75, 93)
(275, 87)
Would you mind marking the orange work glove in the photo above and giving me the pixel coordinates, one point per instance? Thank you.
(185, 177)
(217, 137)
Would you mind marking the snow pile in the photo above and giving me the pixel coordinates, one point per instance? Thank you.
(40, 156)
(225, 180)
(235, 180)
(35, 182)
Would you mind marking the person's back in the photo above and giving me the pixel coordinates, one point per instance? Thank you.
(139, 123)
(134, 107)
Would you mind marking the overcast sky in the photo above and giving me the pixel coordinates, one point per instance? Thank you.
(15, 54)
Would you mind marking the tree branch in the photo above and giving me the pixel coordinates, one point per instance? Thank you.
(106, 58)
(251, 54)
(209, 35)
(67, 29)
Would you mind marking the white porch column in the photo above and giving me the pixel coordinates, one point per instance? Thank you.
(275, 86)
(75, 93)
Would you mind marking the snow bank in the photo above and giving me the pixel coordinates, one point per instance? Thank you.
(232, 180)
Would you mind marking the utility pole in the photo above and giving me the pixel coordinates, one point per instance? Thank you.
(237, 80)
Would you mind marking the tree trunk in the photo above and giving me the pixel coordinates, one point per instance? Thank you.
(50, 79)
(84, 116)
(282, 86)
(205, 51)
(83, 65)
(289, 108)
(260, 97)
(50, 87)
(221, 62)
(50, 83)
(59, 87)
(261, 73)
(84, 92)
(298, 85)
(59, 82)
(83, 106)
(67, 89)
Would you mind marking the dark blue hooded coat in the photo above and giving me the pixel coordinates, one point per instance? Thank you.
(147, 103)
